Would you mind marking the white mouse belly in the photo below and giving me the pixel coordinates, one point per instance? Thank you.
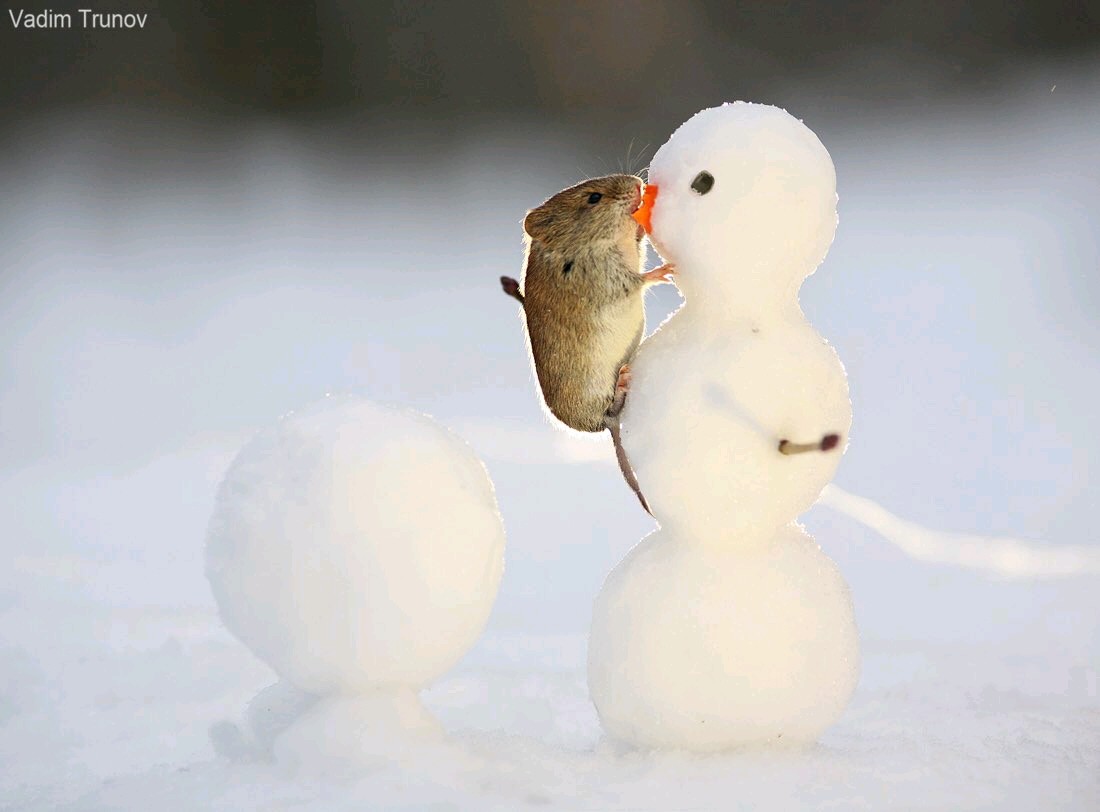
(621, 327)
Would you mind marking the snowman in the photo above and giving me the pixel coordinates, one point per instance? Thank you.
(729, 625)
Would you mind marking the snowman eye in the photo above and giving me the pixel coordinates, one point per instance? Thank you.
(703, 183)
(594, 198)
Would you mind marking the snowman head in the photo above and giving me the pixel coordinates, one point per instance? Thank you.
(745, 205)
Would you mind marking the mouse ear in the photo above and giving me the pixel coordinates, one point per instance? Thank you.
(537, 222)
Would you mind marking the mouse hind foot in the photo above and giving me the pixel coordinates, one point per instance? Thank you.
(622, 386)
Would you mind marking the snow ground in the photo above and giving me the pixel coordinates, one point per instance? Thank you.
(108, 707)
(146, 333)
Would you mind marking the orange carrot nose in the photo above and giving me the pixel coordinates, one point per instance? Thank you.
(644, 212)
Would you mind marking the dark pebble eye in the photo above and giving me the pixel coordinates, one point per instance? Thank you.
(703, 183)
(594, 198)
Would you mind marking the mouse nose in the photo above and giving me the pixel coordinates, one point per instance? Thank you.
(644, 213)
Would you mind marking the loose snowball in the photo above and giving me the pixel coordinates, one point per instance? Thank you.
(706, 648)
(355, 545)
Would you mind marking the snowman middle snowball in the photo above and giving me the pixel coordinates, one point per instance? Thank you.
(752, 636)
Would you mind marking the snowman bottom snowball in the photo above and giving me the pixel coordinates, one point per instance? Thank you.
(354, 546)
(702, 648)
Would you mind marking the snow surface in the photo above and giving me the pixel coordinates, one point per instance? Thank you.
(1004, 557)
(156, 313)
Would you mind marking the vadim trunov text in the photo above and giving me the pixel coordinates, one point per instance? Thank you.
(83, 17)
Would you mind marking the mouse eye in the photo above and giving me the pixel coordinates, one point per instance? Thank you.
(594, 198)
(703, 183)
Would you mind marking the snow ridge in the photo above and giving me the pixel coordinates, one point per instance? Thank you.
(996, 555)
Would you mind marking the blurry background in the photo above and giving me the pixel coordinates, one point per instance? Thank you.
(224, 216)
(241, 207)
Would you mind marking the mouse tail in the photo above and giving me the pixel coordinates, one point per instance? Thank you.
(624, 463)
(511, 287)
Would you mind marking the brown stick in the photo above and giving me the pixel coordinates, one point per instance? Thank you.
(826, 443)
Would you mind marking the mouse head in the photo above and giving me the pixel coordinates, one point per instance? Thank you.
(595, 212)
(745, 204)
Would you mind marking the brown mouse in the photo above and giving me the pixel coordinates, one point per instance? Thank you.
(582, 295)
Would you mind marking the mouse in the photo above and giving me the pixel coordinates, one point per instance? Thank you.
(582, 294)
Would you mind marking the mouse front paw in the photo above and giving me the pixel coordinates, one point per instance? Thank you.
(664, 273)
